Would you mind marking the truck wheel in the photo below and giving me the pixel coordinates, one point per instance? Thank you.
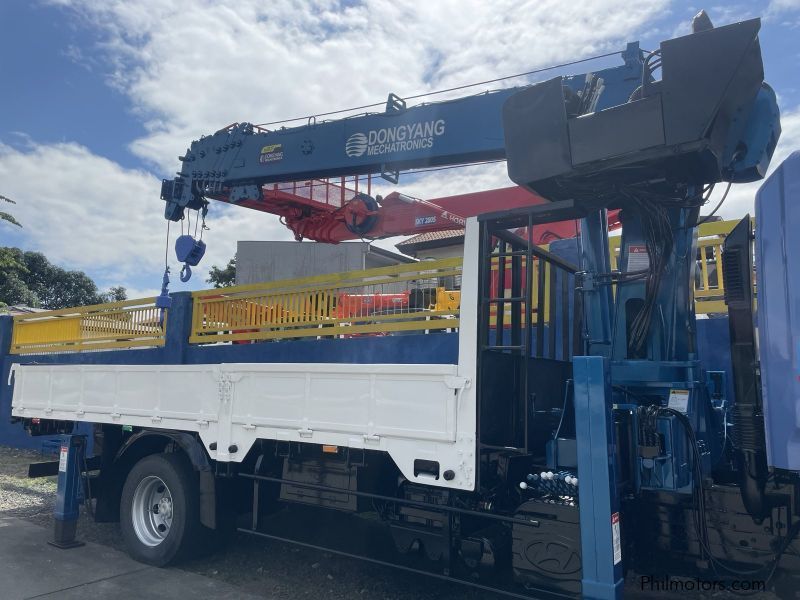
(159, 509)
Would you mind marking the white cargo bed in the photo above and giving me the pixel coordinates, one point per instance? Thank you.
(410, 411)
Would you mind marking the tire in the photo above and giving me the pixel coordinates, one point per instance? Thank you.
(160, 510)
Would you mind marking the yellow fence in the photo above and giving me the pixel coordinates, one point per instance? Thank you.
(127, 324)
(709, 288)
(408, 297)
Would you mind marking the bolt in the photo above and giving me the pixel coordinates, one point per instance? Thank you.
(233, 448)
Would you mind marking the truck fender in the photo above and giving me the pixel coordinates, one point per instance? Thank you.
(194, 451)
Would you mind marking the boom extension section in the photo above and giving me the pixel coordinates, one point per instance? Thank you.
(235, 163)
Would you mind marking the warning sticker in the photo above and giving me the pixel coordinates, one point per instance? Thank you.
(638, 258)
(62, 459)
(616, 538)
(679, 400)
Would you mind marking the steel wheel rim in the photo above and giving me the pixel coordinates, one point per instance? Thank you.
(152, 511)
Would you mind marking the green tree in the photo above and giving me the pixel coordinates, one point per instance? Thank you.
(7, 217)
(29, 278)
(13, 287)
(9, 260)
(114, 294)
(13, 290)
(224, 277)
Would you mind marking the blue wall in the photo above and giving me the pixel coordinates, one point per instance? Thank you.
(713, 348)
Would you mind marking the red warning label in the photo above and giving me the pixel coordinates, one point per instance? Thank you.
(638, 258)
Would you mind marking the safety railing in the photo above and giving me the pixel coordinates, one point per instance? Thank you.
(115, 325)
(709, 288)
(333, 193)
(544, 277)
(401, 298)
(534, 310)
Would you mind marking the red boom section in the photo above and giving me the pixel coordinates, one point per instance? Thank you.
(335, 211)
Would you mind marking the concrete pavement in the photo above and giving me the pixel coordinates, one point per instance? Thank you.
(31, 568)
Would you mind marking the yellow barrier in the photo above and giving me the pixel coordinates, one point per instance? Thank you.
(127, 324)
(408, 297)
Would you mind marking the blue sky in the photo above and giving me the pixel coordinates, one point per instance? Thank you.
(100, 97)
(55, 94)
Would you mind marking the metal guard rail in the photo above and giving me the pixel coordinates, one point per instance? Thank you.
(114, 325)
(400, 298)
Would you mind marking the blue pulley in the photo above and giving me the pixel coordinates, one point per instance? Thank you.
(189, 252)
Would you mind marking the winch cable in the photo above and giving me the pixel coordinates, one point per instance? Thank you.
(166, 248)
(163, 300)
(446, 90)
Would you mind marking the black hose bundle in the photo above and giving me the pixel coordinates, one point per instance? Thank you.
(658, 239)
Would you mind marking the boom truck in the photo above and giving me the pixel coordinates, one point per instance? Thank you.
(539, 457)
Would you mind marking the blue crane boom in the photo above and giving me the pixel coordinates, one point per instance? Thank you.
(234, 162)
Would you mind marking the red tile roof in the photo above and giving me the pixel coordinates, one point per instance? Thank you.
(432, 236)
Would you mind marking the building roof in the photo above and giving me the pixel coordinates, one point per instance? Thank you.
(431, 239)
(388, 254)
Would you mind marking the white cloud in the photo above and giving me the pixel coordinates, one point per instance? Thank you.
(784, 12)
(88, 212)
(192, 66)
(782, 6)
(91, 214)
